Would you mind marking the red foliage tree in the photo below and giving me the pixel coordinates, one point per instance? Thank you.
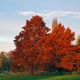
(28, 44)
(59, 45)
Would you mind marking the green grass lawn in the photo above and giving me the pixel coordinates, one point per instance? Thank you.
(25, 76)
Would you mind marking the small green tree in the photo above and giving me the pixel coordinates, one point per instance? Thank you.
(4, 62)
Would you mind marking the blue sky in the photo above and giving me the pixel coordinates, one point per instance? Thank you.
(13, 14)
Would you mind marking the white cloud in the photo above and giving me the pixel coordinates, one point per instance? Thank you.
(52, 13)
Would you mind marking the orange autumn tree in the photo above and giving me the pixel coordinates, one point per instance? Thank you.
(59, 41)
(65, 55)
(28, 44)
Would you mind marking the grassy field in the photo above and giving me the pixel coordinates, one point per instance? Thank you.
(25, 76)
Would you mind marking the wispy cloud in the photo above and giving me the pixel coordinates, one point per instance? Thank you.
(73, 14)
